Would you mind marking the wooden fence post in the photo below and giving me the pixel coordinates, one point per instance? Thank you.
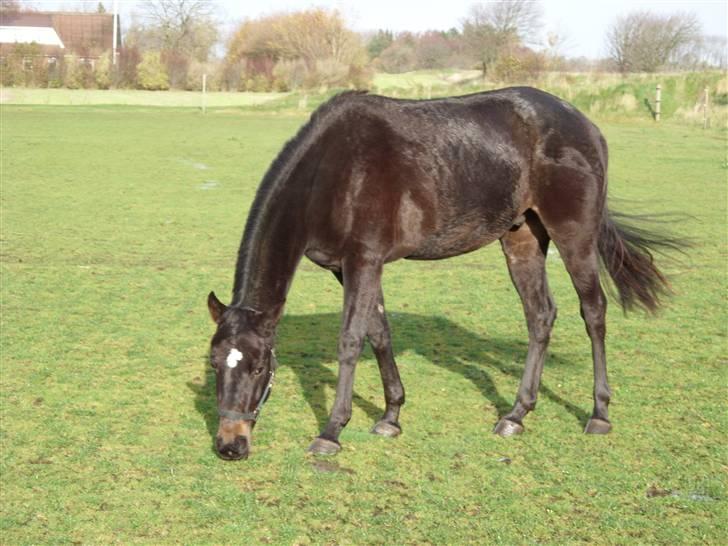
(658, 100)
(204, 93)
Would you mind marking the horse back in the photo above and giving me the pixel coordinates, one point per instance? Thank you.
(433, 179)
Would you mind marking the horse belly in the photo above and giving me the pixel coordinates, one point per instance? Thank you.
(461, 237)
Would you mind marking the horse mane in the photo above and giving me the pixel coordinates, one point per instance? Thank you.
(275, 177)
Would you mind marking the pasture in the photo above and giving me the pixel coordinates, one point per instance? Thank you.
(131, 97)
(117, 222)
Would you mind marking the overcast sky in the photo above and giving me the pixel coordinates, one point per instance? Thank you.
(582, 22)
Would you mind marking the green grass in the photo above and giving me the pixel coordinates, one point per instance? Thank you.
(116, 223)
(131, 97)
(613, 97)
(422, 78)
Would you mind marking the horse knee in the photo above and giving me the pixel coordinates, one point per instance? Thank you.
(350, 346)
(379, 339)
(543, 323)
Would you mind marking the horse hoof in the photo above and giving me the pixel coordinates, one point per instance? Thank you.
(597, 426)
(384, 428)
(322, 446)
(507, 428)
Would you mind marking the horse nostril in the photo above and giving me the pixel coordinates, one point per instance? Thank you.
(241, 442)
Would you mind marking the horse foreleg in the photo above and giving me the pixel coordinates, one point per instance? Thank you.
(525, 249)
(362, 286)
(380, 340)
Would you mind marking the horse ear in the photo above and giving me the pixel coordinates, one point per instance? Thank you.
(216, 307)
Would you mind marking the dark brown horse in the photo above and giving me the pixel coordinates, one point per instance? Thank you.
(369, 180)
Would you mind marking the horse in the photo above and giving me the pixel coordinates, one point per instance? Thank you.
(369, 180)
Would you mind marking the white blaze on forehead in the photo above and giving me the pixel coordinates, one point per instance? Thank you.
(233, 357)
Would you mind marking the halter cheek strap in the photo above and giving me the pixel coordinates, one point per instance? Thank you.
(253, 416)
(238, 416)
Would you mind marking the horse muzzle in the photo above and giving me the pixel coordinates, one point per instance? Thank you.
(232, 451)
(233, 439)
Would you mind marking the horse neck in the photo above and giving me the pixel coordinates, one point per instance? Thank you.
(272, 246)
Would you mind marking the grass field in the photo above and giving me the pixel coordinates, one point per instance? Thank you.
(131, 97)
(117, 222)
(423, 78)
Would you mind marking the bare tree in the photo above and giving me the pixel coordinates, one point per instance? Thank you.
(10, 7)
(522, 18)
(645, 42)
(714, 51)
(491, 29)
(182, 26)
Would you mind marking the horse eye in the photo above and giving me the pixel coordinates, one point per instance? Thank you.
(258, 371)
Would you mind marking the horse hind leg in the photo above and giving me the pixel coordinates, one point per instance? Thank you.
(525, 248)
(579, 252)
(583, 267)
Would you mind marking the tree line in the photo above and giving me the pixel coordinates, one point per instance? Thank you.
(171, 43)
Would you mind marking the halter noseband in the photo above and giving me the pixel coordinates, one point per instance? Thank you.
(253, 416)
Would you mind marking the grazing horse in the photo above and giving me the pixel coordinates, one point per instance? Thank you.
(369, 180)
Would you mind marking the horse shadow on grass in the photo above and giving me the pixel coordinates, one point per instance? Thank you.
(306, 341)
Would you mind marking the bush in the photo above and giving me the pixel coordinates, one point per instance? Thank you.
(258, 84)
(102, 71)
(24, 66)
(177, 67)
(194, 76)
(329, 73)
(72, 72)
(125, 74)
(289, 75)
(232, 76)
(55, 73)
(520, 65)
(11, 71)
(151, 74)
(399, 57)
(360, 77)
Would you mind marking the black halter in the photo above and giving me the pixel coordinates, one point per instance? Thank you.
(253, 416)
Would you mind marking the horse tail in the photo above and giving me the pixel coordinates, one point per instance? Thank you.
(626, 252)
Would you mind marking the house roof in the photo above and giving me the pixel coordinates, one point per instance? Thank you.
(80, 33)
(26, 35)
(26, 19)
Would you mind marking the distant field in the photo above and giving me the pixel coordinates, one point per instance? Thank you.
(423, 78)
(613, 96)
(131, 97)
(608, 96)
(117, 222)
